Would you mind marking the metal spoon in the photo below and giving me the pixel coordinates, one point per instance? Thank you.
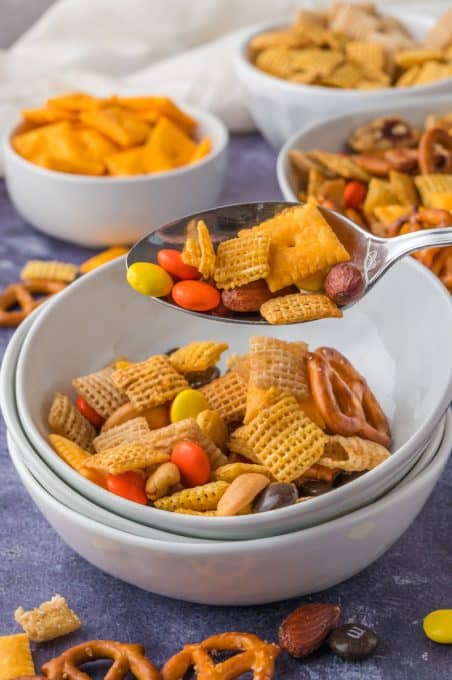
(371, 254)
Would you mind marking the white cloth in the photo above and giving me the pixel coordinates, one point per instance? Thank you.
(182, 48)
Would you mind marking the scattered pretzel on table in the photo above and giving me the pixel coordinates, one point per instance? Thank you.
(344, 398)
(255, 655)
(21, 295)
(127, 658)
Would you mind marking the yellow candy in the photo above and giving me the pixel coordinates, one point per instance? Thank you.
(149, 279)
(313, 283)
(188, 404)
(438, 626)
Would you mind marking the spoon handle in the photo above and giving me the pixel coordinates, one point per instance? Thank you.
(418, 240)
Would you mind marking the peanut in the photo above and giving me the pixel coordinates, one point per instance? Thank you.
(240, 493)
(160, 481)
(344, 283)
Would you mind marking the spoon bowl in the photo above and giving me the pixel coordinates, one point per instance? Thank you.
(372, 255)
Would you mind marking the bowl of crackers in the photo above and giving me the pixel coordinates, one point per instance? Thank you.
(208, 430)
(340, 59)
(389, 170)
(106, 171)
(219, 572)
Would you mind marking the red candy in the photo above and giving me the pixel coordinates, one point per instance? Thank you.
(193, 463)
(89, 413)
(171, 261)
(196, 295)
(130, 485)
(354, 195)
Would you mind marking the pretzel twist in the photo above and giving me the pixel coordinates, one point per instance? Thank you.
(439, 260)
(428, 151)
(255, 655)
(21, 295)
(344, 398)
(127, 658)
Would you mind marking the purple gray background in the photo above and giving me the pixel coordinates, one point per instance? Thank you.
(392, 596)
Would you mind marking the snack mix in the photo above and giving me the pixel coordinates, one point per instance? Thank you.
(85, 135)
(393, 179)
(304, 631)
(41, 279)
(277, 269)
(353, 46)
(282, 425)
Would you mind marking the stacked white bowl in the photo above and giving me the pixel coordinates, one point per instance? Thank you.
(399, 338)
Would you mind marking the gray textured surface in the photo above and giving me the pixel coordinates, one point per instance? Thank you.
(392, 596)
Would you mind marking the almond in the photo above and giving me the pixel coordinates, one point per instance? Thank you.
(248, 298)
(304, 630)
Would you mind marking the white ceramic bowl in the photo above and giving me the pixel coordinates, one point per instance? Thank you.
(331, 135)
(100, 317)
(74, 500)
(279, 107)
(246, 572)
(103, 211)
(44, 475)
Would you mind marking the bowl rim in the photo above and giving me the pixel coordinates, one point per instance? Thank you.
(243, 61)
(293, 142)
(258, 544)
(183, 523)
(204, 118)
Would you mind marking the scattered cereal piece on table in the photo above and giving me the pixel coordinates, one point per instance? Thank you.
(51, 270)
(50, 620)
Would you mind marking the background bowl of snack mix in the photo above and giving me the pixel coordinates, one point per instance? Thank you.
(107, 171)
(243, 572)
(375, 334)
(340, 60)
(386, 162)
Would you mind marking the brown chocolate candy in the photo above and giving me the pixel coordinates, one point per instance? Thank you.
(314, 487)
(199, 378)
(276, 495)
(353, 641)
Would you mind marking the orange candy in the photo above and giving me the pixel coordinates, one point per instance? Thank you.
(130, 485)
(89, 413)
(193, 463)
(354, 195)
(171, 261)
(196, 295)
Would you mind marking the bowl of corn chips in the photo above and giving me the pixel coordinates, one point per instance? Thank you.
(372, 336)
(331, 161)
(100, 172)
(244, 572)
(339, 60)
